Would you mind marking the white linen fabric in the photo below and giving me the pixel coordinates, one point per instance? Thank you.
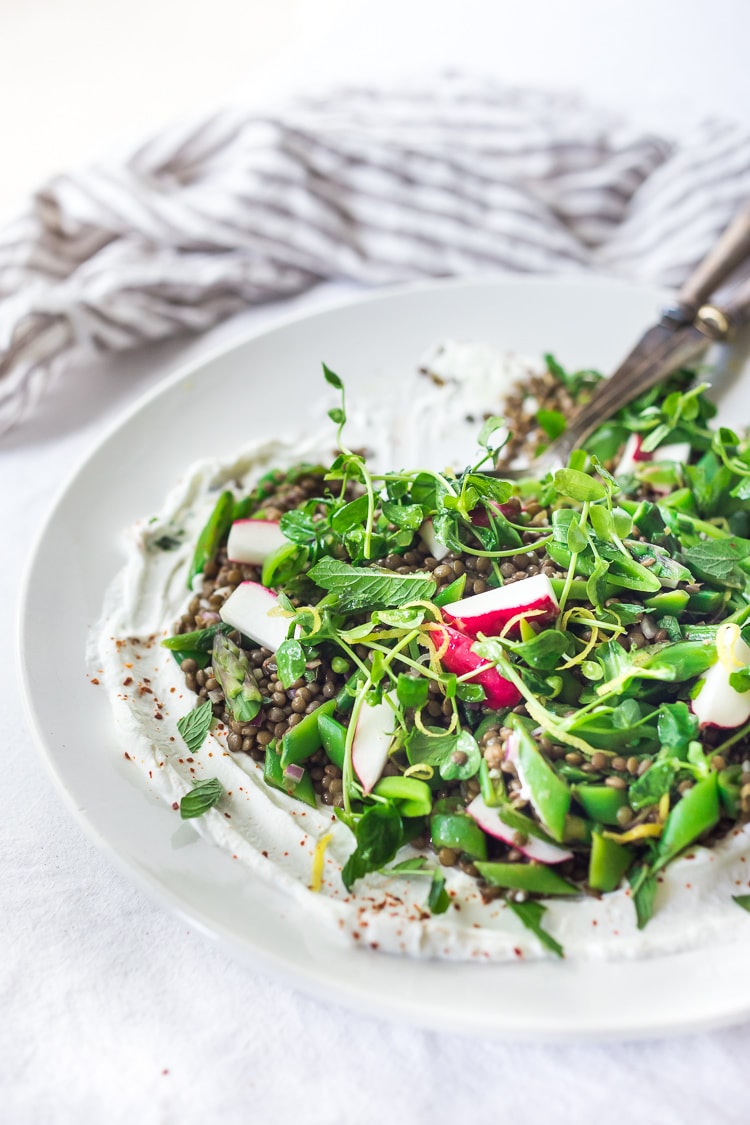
(359, 185)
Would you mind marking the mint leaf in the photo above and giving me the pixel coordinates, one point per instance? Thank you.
(369, 587)
(195, 726)
(201, 797)
(743, 901)
(531, 914)
(379, 834)
(715, 561)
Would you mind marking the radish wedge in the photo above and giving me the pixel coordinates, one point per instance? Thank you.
(251, 541)
(717, 704)
(256, 612)
(437, 550)
(490, 820)
(491, 611)
(459, 658)
(677, 451)
(372, 741)
(631, 457)
(633, 454)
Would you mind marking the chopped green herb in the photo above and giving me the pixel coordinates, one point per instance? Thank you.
(203, 796)
(195, 726)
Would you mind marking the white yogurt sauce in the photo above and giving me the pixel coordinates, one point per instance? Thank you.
(275, 835)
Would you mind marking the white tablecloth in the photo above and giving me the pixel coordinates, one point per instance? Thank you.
(114, 1010)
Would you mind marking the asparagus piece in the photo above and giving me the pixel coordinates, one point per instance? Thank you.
(232, 670)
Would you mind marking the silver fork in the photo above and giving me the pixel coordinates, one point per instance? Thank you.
(684, 331)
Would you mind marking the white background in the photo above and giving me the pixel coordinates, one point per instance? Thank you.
(77, 76)
(112, 1010)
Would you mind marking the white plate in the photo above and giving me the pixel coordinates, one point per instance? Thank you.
(585, 323)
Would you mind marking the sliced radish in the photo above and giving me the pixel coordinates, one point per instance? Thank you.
(372, 741)
(513, 756)
(633, 454)
(491, 611)
(459, 658)
(490, 820)
(250, 541)
(437, 550)
(717, 704)
(256, 612)
(678, 451)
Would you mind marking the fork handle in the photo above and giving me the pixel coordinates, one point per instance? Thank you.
(721, 261)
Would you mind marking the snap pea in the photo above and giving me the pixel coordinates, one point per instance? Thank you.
(548, 793)
(533, 877)
(451, 593)
(333, 737)
(701, 632)
(681, 500)
(695, 812)
(730, 783)
(706, 602)
(673, 602)
(683, 660)
(608, 863)
(299, 742)
(623, 572)
(273, 774)
(488, 786)
(201, 640)
(486, 724)
(345, 698)
(209, 540)
(668, 571)
(413, 796)
(577, 830)
(601, 803)
(460, 833)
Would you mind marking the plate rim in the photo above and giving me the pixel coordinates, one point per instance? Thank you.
(351, 996)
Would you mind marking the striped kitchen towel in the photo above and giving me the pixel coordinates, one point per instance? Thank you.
(362, 185)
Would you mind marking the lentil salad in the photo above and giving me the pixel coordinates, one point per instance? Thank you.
(597, 769)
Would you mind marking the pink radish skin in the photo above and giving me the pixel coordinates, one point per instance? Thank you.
(250, 608)
(437, 550)
(631, 456)
(372, 741)
(459, 658)
(480, 518)
(490, 821)
(489, 612)
(251, 541)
